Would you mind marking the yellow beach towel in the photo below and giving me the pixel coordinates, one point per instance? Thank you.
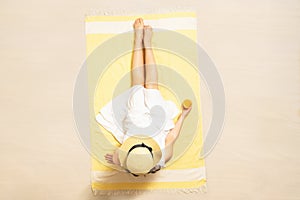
(111, 38)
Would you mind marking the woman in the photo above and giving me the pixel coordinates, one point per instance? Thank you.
(146, 152)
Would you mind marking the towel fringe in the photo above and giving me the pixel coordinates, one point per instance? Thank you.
(142, 11)
(202, 189)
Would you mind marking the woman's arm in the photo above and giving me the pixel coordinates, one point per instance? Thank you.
(174, 133)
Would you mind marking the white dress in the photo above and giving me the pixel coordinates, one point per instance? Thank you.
(139, 110)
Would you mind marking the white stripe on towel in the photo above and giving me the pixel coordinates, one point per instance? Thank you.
(160, 176)
(104, 27)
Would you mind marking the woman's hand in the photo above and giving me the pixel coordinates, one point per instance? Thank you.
(112, 158)
(185, 111)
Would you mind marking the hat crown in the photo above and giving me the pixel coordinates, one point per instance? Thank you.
(139, 160)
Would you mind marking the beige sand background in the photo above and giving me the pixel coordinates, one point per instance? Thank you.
(255, 45)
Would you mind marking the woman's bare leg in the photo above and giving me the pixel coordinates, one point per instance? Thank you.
(137, 65)
(150, 65)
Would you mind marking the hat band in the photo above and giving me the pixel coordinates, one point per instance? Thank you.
(141, 145)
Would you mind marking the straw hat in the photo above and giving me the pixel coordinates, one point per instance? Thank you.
(139, 154)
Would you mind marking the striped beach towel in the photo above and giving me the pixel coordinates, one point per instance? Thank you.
(111, 38)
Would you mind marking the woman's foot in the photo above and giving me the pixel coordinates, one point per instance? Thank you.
(138, 31)
(147, 36)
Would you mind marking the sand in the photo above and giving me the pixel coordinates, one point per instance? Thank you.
(255, 46)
